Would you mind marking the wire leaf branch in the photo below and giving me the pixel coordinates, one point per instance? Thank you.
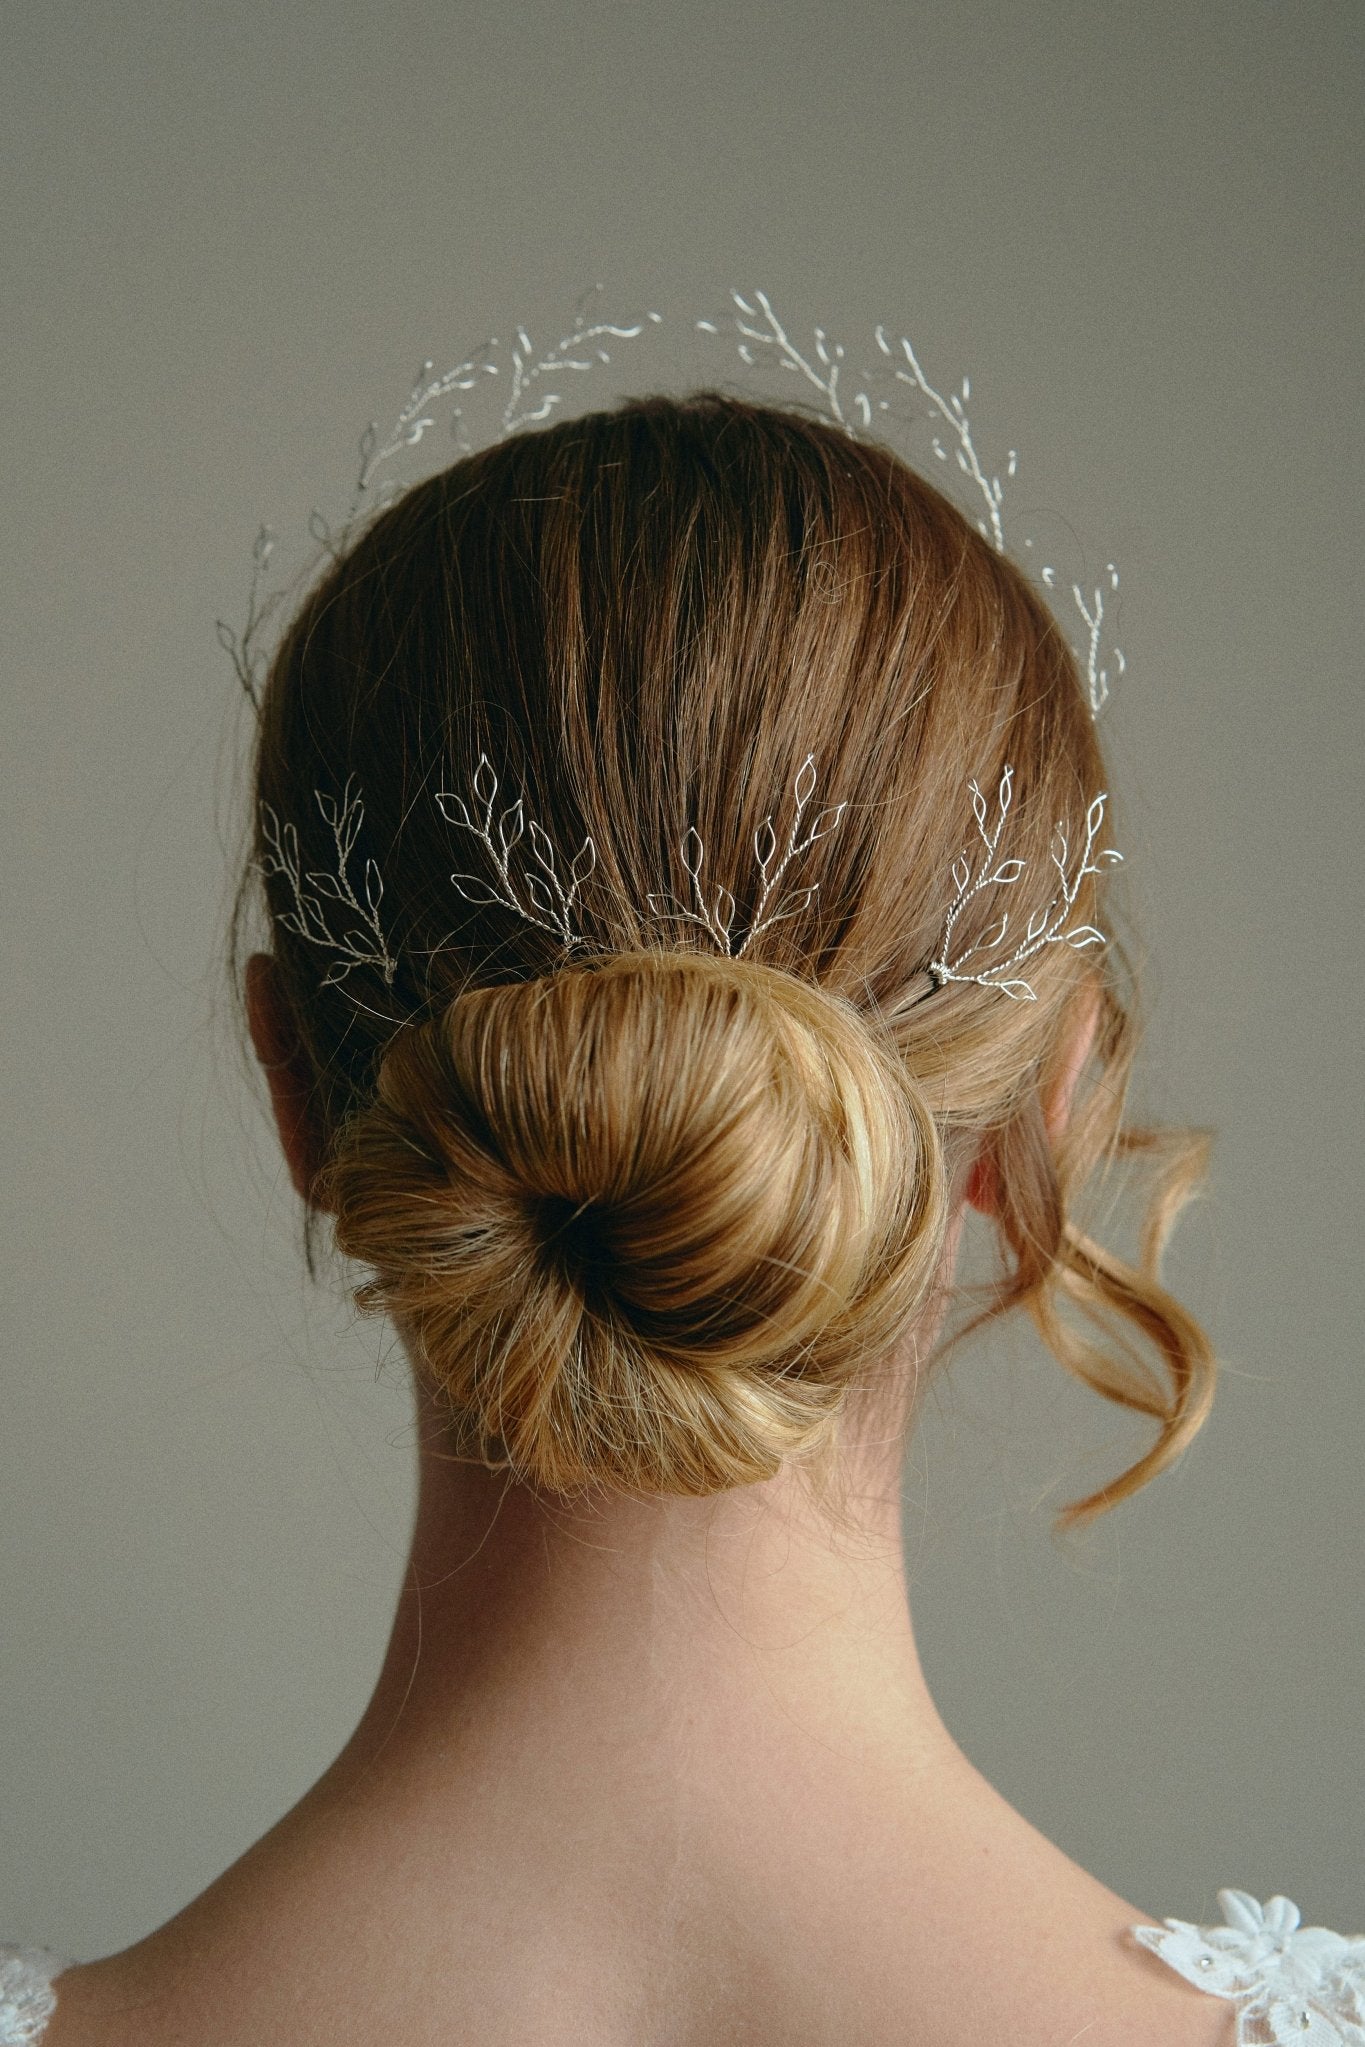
(718, 917)
(853, 399)
(761, 331)
(435, 399)
(417, 417)
(976, 871)
(582, 348)
(552, 899)
(952, 411)
(249, 661)
(359, 944)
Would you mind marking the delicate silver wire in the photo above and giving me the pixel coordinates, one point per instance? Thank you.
(1048, 926)
(325, 907)
(363, 942)
(535, 378)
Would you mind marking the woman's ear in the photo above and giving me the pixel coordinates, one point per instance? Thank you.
(287, 1068)
(983, 1182)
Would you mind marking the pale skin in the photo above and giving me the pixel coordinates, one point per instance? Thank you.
(646, 1774)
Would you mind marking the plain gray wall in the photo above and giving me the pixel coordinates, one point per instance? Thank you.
(231, 231)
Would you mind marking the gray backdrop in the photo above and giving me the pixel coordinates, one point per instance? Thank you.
(231, 233)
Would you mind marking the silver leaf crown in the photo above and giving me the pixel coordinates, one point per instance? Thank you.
(361, 942)
(532, 379)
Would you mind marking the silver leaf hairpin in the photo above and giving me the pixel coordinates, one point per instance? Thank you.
(552, 897)
(363, 944)
(854, 400)
(1048, 926)
(719, 918)
(545, 889)
(555, 902)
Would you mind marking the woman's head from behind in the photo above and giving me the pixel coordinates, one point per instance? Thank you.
(640, 1088)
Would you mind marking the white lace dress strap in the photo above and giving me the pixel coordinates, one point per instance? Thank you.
(27, 1999)
(1293, 1986)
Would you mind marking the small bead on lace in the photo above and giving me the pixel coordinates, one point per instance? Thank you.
(1293, 1985)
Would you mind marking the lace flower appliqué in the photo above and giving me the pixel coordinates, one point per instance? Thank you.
(1294, 1986)
(27, 1999)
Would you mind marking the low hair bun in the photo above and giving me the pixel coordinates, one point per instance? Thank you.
(644, 1217)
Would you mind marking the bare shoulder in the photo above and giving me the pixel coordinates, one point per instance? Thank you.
(1060, 1980)
(957, 1926)
(1067, 1998)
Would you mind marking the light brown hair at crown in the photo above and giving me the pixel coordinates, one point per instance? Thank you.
(649, 1210)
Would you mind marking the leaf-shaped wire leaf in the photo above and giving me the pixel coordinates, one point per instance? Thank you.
(487, 898)
(328, 885)
(693, 851)
(542, 849)
(793, 905)
(447, 803)
(825, 823)
(511, 825)
(1020, 990)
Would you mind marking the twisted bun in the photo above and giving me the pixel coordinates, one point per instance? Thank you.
(646, 1217)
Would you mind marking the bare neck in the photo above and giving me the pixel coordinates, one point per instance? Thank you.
(652, 1753)
(754, 1625)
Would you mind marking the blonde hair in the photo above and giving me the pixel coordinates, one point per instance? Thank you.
(650, 1213)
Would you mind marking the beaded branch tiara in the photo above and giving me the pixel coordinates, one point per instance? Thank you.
(340, 910)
